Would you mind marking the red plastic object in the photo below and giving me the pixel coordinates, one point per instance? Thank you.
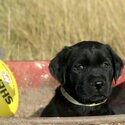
(121, 78)
(34, 73)
(30, 73)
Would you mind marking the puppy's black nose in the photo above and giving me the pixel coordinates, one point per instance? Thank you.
(99, 84)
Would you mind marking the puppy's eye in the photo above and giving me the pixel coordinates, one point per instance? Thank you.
(106, 65)
(79, 67)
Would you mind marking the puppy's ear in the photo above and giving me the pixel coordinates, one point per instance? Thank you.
(58, 65)
(117, 63)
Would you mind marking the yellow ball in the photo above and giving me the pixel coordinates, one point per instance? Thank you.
(8, 91)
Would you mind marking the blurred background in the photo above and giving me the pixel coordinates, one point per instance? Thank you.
(38, 29)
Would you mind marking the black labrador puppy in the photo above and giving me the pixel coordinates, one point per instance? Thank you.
(86, 71)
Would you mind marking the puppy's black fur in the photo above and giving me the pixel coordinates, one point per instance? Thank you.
(86, 71)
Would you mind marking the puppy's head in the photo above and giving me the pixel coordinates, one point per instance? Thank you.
(86, 70)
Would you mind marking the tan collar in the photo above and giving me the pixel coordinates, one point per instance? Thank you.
(72, 100)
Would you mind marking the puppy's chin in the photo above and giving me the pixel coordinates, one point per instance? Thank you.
(97, 98)
(92, 99)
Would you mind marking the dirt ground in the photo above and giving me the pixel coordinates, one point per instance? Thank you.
(34, 100)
